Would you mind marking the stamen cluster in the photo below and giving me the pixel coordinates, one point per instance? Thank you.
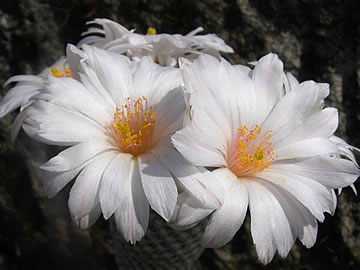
(60, 72)
(132, 126)
(253, 151)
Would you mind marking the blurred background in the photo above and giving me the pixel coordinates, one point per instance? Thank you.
(317, 40)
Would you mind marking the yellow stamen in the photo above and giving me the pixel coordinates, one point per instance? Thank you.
(151, 31)
(132, 126)
(259, 155)
(253, 152)
(60, 72)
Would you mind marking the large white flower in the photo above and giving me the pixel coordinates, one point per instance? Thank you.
(272, 148)
(165, 49)
(117, 119)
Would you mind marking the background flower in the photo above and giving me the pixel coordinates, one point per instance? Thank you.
(165, 49)
(26, 87)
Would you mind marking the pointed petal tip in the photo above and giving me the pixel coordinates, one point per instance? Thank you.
(354, 189)
(106, 214)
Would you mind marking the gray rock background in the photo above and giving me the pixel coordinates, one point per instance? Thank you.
(317, 40)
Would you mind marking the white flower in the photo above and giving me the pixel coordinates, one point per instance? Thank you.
(165, 49)
(272, 148)
(28, 86)
(117, 120)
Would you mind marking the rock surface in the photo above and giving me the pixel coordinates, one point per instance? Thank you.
(317, 40)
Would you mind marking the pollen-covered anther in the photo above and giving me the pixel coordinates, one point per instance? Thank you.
(60, 72)
(132, 127)
(151, 31)
(252, 151)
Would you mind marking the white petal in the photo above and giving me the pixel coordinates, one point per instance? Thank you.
(270, 228)
(154, 81)
(243, 69)
(91, 82)
(293, 82)
(55, 181)
(308, 238)
(132, 216)
(74, 56)
(31, 79)
(16, 126)
(243, 95)
(302, 223)
(158, 185)
(353, 189)
(200, 183)
(195, 31)
(207, 130)
(87, 221)
(18, 96)
(335, 201)
(322, 124)
(268, 79)
(314, 196)
(72, 95)
(293, 109)
(93, 30)
(166, 60)
(345, 149)
(113, 71)
(84, 194)
(31, 128)
(200, 155)
(59, 125)
(214, 96)
(91, 40)
(75, 156)
(227, 220)
(116, 176)
(169, 114)
(331, 172)
(112, 30)
(307, 148)
(213, 43)
(188, 212)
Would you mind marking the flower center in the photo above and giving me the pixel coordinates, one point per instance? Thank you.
(132, 127)
(251, 152)
(60, 72)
